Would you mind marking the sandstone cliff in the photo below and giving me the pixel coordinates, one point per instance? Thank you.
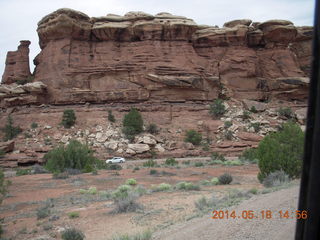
(140, 57)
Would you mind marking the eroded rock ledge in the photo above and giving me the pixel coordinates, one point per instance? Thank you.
(140, 57)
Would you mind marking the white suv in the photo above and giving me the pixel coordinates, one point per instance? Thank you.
(116, 160)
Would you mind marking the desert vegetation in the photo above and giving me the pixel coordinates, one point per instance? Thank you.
(10, 131)
(68, 118)
(132, 124)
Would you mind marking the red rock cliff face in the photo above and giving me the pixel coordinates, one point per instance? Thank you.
(17, 64)
(141, 57)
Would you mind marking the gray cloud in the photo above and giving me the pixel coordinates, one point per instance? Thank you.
(19, 18)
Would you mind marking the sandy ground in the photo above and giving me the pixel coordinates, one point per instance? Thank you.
(275, 228)
(161, 209)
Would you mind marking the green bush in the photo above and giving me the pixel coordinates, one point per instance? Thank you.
(187, 186)
(256, 126)
(43, 212)
(162, 187)
(152, 128)
(9, 130)
(73, 215)
(4, 184)
(249, 154)
(75, 155)
(23, 171)
(233, 163)
(131, 181)
(68, 118)
(72, 234)
(217, 108)
(217, 156)
(171, 162)
(150, 163)
(282, 150)
(111, 117)
(253, 109)
(225, 178)
(198, 164)
(125, 200)
(227, 124)
(215, 181)
(228, 135)
(34, 125)
(132, 124)
(2, 153)
(193, 137)
(245, 115)
(285, 112)
(153, 171)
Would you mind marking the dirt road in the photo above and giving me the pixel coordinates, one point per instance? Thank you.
(275, 228)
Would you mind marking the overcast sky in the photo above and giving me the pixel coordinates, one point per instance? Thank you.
(18, 18)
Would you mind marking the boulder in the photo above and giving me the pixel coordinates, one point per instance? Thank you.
(101, 137)
(234, 23)
(246, 136)
(113, 145)
(301, 115)
(259, 106)
(7, 146)
(138, 147)
(159, 148)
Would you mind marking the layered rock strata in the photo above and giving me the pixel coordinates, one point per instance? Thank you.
(139, 57)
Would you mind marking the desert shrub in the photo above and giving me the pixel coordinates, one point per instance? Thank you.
(113, 166)
(171, 162)
(73, 171)
(227, 124)
(147, 235)
(198, 164)
(43, 212)
(47, 227)
(27, 135)
(153, 171)
(140, 190)
(4, 184)
(285, 112)
(186, 162)
(132, 124)
(152, 128)
(72, 234)
(245, 115)
(23, 171)
(214, 162)
(282, 150)
(153, 154)
(217, 156)
(136, 169)
(2, 153)
(217, 108)
(38, 169)
(111, 117)
(275, 179)
(9, 130)
(249, 154)
(149, 163)
(193, 137)
(233, 197)
(68, 118)
(125, 200)
(253, 191)
(73, 215)
(253, 109)
(215, 181)
(60, 175)
(187, 186)
(233, 163)
(256, 126)
(162, 187)
(75, 155)
(228, 135)
(225, 178)
(34, 125)
(131, 181)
